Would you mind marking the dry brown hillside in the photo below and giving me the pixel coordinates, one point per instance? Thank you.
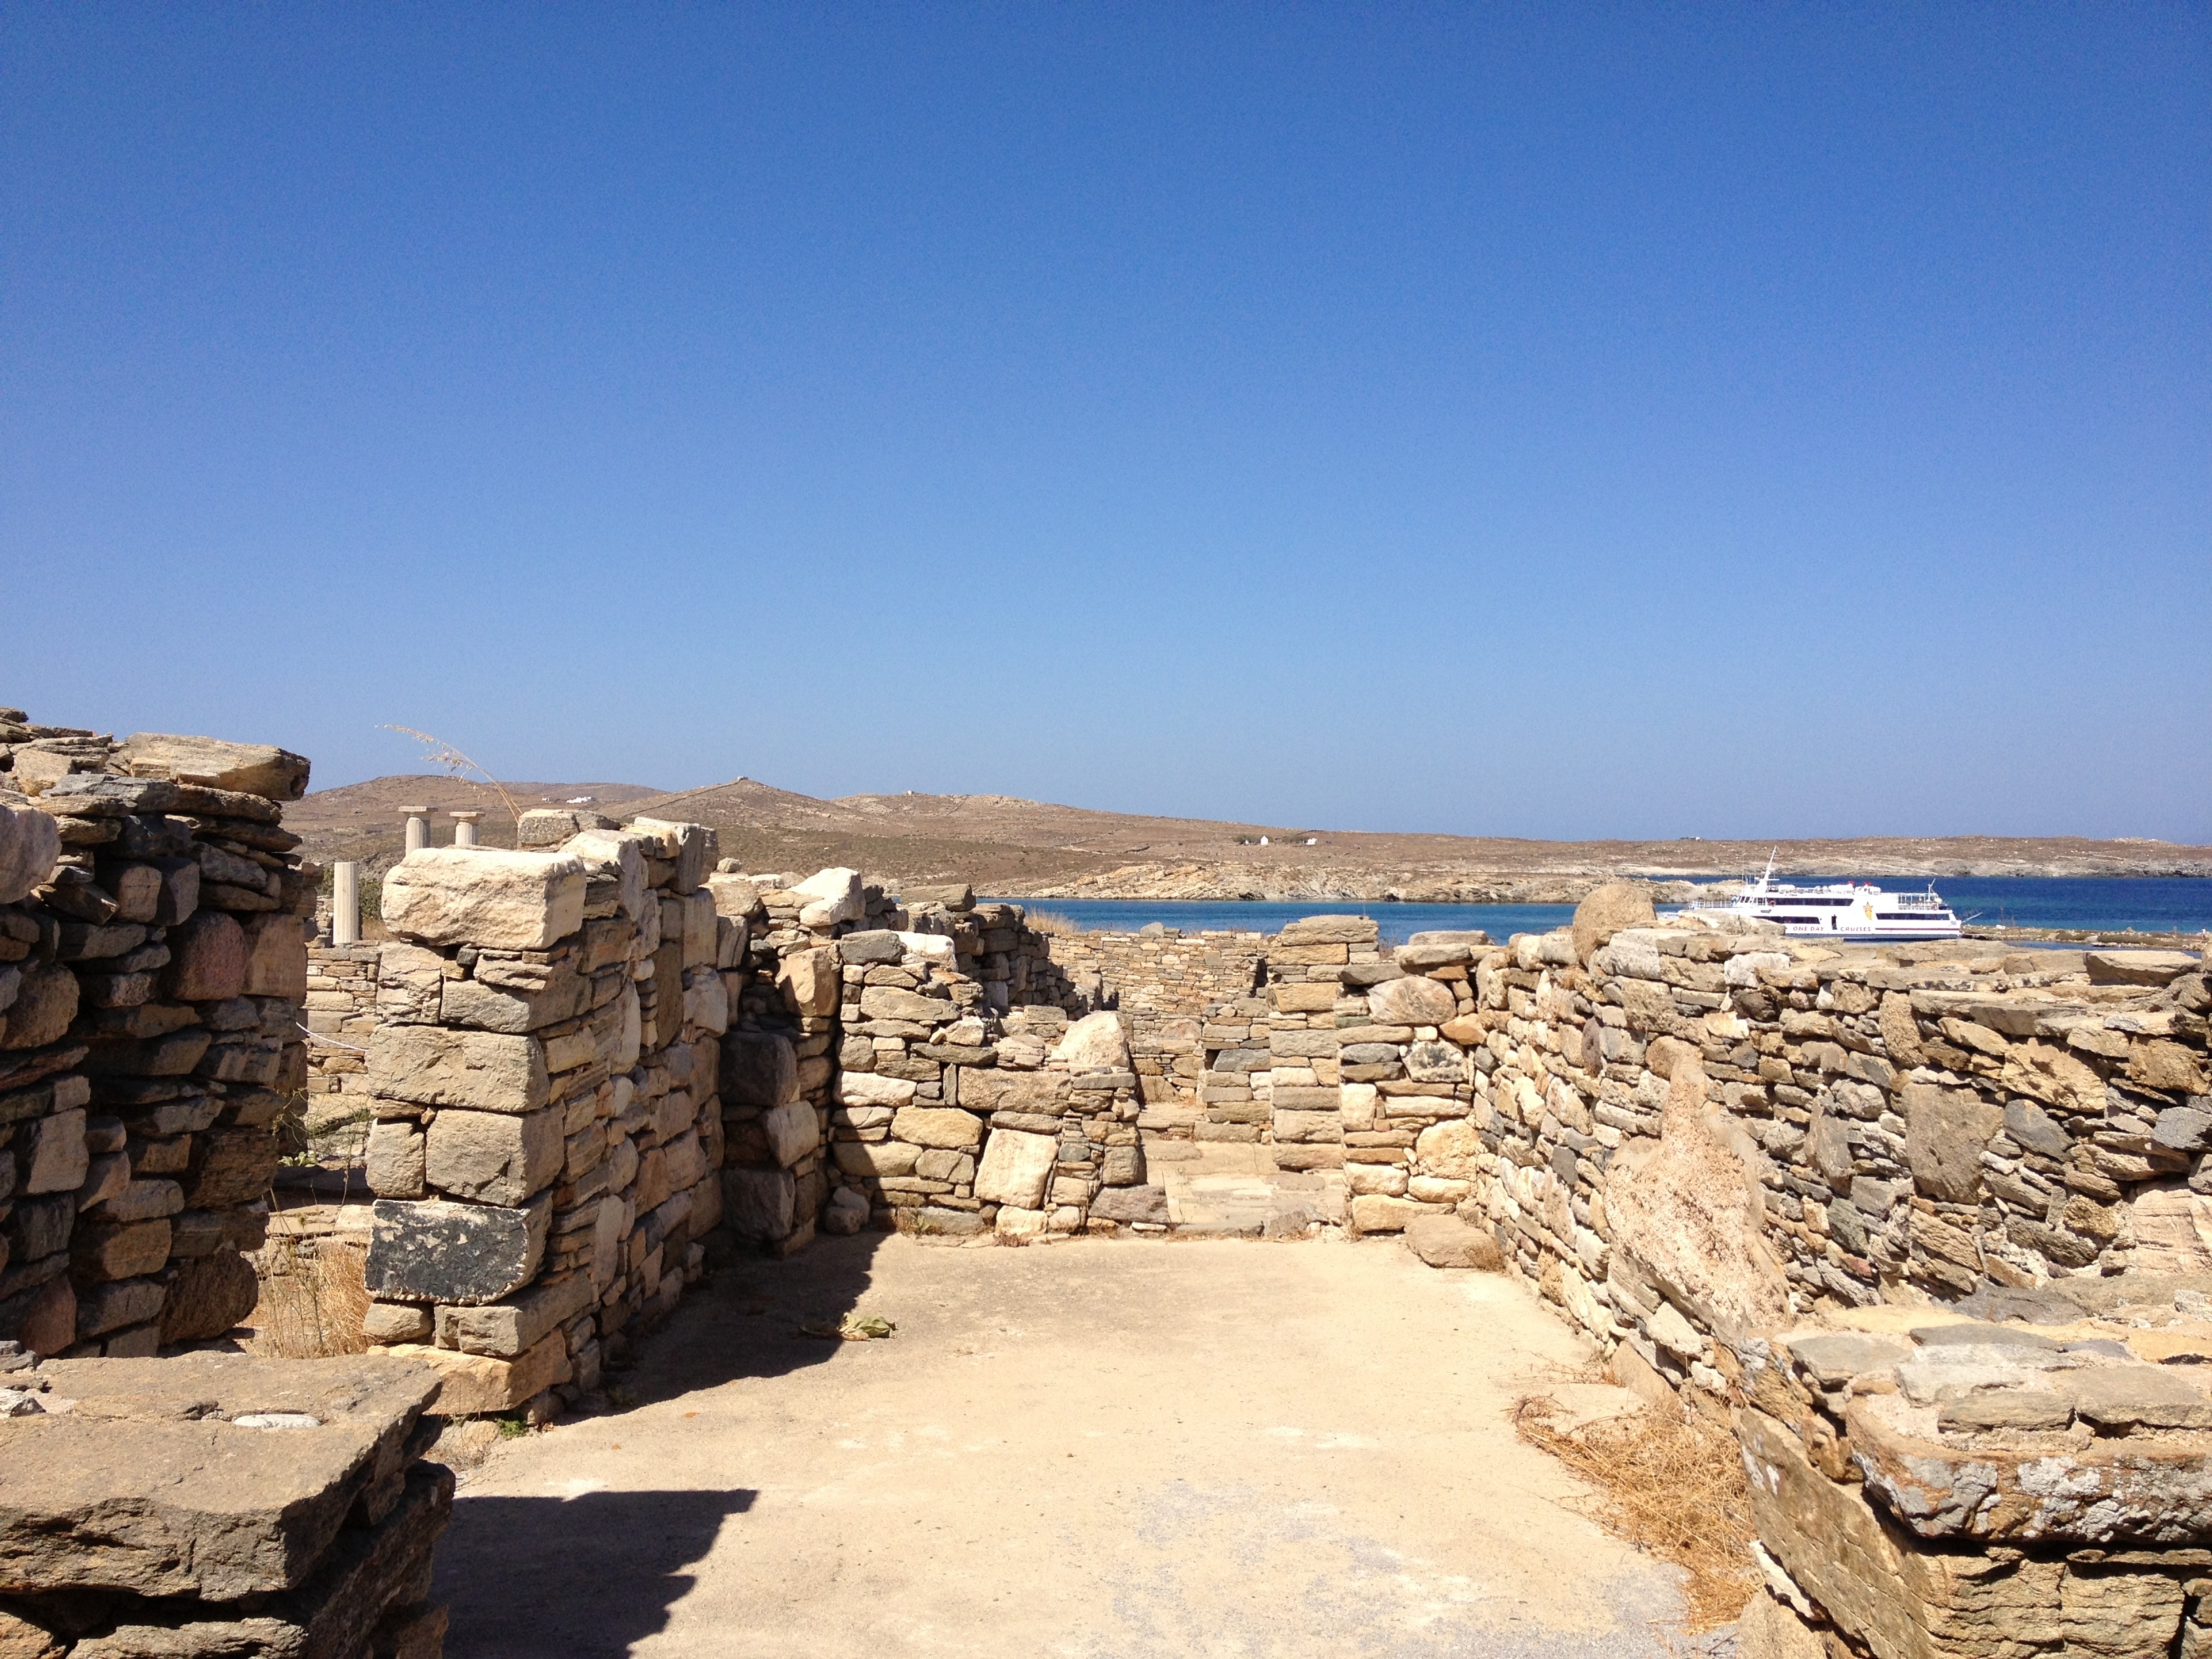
(1016, 848)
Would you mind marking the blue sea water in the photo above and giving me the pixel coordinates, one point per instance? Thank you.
(2147, 905)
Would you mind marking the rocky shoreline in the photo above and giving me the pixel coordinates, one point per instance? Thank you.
(1294, 883)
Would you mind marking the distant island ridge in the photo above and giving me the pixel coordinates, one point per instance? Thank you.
(1027, 849)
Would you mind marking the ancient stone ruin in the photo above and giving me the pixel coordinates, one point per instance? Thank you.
(1930, 1226)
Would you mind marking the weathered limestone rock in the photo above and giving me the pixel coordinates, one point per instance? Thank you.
(30, 844)
(810, 981)
(507, 1330)
(494, 1158)
(246, 768)
(1689, 1211)
(473, 1385)
(834, 897)
(1095, 1042)
(872, 1089)
(792, 1131)
(478, 1070)
(209, 1295)
(612, 856)
(1130, 1204)
(435, 1251)
(937, 1126)
(208, 958)
(1946, 1130)
(1329, 930)
(149, 1484)
(758, 1204)
(1606, 911)
(1410, 1001)
(889, 1002)
(1016, 1168)
(758, 1069)
(485, 896)
(691, 846)
(47, 995)
(1445, 1240)
(2139, 967)
(846, 1213)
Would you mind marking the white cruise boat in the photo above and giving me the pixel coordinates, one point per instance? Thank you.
(1842, 910)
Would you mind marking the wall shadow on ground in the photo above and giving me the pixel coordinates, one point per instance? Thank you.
(745, 1320)
(583, 1577)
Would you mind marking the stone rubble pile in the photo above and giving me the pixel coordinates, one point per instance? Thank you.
(216, 1505)
(544, 1076)
(152, 964)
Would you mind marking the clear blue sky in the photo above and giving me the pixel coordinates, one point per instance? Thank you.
(1567, 420)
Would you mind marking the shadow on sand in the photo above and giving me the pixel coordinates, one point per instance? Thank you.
(592, 1574)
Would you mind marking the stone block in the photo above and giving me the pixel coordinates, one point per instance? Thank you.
(1304, 998)
(1445, 1240)
(244, 768)
(1016, 1168)
(759, 1068)
(209, 1296)
(1131, 1204)
(1945, 1132)
(759, 1204)
(517, 1009)
(937, 1126)
(436, 1251)
(811, 981)
(207, 958)
(879, 945)
(1411, 1001)
(2139, 967)
(873, 1088)
(792, 1131)
(477, 1070)
(473, 1385)
(394, 1160)
(1375, 1212)
(874, 1158)
(1095, 1042)
(1329, 930)
(57, 1159)
(483, 896)
(832, 896)
(507, 1330)
(111, 1250)
(30, 842)
(502, 1158)
(149, 1486)
(230, 1167)
(277, 956)
(889, 1002)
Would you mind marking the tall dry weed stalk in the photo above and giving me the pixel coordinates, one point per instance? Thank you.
(315, 1297)
(1669, 1483)
(454, 764)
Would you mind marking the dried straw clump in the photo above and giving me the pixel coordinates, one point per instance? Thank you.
(1671, 1484)
(314, 1299)
(1051, 923)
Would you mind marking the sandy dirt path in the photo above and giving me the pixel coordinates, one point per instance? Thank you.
(1104, 1447)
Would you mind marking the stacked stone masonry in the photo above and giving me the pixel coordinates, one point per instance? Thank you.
(152, 966)
(216, 1505)
(544, 1080)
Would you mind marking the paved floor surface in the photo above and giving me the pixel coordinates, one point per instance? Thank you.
(1105, 1447)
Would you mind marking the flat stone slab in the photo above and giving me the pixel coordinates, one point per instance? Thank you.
(138, 1474)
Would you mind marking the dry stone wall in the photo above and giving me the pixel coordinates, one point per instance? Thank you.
(152, 965)
(543, 1075)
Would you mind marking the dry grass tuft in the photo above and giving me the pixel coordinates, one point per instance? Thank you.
(314, 1299)
(1670, 1484)
(1051, 923)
